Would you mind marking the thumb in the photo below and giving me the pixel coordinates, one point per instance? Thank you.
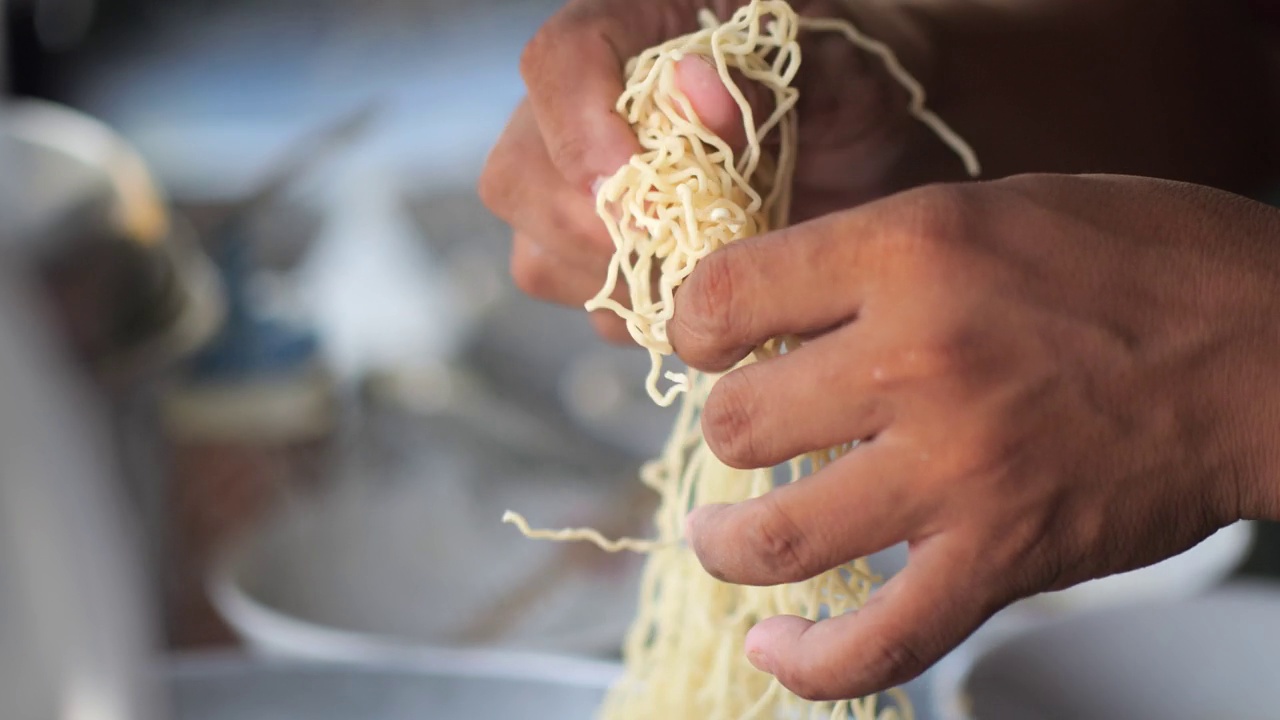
(908, 625)
(698, 79)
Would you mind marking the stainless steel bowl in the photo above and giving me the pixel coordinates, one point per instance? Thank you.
(447, 685)
(1183, 659)
(450, 686)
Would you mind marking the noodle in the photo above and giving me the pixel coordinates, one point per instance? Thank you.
(685, 195)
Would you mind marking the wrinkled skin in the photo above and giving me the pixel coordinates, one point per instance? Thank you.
(854, 136)
(1056, 377)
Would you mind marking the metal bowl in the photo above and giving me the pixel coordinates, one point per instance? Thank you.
(1210, 656)
(443, 686)
(541, 355)
(422, 562)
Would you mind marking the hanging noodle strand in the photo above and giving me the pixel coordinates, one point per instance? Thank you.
(685, 195)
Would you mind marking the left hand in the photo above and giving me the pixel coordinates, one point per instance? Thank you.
(855, 138)
(1056, 377)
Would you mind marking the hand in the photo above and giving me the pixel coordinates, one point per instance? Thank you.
(857, 140)
(1055, 377)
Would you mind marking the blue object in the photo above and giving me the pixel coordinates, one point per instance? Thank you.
(249, 345)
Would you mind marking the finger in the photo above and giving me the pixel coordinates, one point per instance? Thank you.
(611, 327)
(820, 396)
(521, 186)
(797, 280)
(908, 625)
(546, 274)
(854, 507)
(541, 273)
(716, 109)
(573, 69)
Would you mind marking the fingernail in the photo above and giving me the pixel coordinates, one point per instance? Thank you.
(699, 515)
(689, 521)
(759, 659)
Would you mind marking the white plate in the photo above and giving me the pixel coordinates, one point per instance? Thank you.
(418, 563)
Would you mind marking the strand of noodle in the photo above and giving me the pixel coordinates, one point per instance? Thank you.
(907, 81)
(592, 536)
(684, 196)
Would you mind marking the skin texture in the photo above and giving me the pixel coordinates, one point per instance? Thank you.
(566, 135)
(1056, 376)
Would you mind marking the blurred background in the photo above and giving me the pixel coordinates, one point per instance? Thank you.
(265, 388)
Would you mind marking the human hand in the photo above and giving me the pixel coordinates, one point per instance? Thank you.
(1056, 378)
(857, 139)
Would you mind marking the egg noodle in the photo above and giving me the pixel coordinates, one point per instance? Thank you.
(686, 194)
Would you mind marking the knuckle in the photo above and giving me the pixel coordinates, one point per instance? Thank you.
(941, 211)
(944, 356)
(706, 312)
(530, 271)
(570, 153)
(533, 57)
(728, 422)
(779, 546)
(578, 226)
(568, 27)
(932, 217)
(892, 661)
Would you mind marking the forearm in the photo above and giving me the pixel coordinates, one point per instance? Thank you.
(1179, 89)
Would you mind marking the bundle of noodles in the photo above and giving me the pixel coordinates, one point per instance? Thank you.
(683, 197)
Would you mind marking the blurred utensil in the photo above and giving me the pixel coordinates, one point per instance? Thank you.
(299, 158)
(435, 684)
(410, 558)
(127, 282)
(538, 354)
(427, 683)
(73, 611)
(456, 397)
(628, 515)
(1210, 656)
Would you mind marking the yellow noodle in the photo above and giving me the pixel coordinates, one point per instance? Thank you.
(585, 534)
(685, 195)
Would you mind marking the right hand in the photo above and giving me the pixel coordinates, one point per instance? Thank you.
(857, 141)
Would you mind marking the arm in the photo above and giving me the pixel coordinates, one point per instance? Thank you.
(1179, 89)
